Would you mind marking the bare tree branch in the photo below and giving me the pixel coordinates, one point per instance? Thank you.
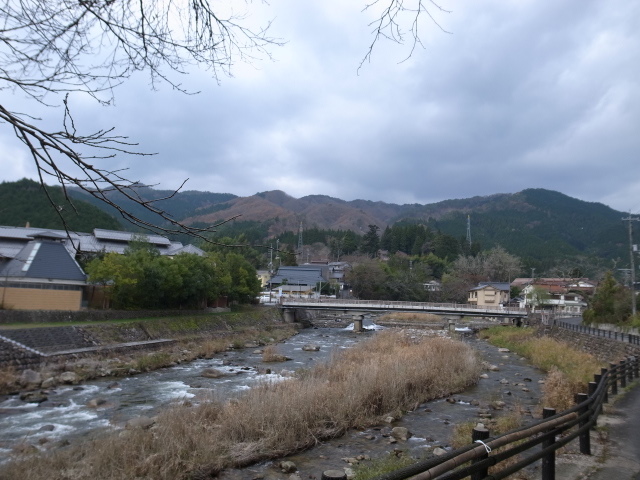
(389, 22)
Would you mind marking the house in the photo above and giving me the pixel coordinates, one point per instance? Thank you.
(489, 294)
(560, 296)
(264, 276)
(13, 239)
(42, 275)
(299, 280)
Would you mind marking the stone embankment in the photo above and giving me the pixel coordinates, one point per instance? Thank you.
(604, 349)
(29, 347)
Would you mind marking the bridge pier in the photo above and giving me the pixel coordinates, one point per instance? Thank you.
(357, 323)
(289, 315)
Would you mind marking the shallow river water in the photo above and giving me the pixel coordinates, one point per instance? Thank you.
(66, 416)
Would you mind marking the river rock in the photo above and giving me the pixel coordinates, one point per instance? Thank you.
(484, 375)
(47, 428)
(311, 348)
(400, 433)
(504, 381)
(68, 377)
(504, 350)
(113, 385)
(33, 397)
(350, 473)
(96, 402)
(49, 382)
(140, 422)
(439, 451)
(212, 373)
(494, 368)
(258, 352)
(288, 466)
(30, 377)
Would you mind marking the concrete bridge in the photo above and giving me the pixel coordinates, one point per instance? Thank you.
(456, 310)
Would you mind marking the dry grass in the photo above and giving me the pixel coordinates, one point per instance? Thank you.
(271, 354)
(569, 370)
(412, 317)
(558, 391)
(354, 389)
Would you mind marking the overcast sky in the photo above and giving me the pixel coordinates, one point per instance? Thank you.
(507, 95)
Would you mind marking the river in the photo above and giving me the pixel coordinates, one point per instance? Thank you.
(67, 417)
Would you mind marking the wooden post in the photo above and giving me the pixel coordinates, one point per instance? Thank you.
(623, 373)
(636, 368)
(549, 460)
(480, 433)
(613, 378)
(603, 374)
(585, 440)
(334, 475)
(593, 386)
(630, 368)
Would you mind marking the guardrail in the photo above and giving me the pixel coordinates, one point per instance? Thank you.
(623, 337)
(551, 433)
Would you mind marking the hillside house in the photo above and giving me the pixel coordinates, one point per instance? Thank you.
(489, 294)
(560, 296)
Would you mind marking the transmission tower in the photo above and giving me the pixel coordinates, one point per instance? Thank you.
(631, 263)
(300, 242)
(469, 230)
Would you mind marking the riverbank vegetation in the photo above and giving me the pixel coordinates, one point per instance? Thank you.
(383, 376)
(568, 370)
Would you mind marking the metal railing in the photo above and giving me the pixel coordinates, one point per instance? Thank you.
(528, 444)
(621, 336)
(397, 305)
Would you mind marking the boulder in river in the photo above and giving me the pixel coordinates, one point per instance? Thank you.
(68, 377)
(212, 373)
(311, 348)
(33, 397)
(401, 433)
(30, 378)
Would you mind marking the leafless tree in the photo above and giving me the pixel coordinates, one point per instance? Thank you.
(51, 48)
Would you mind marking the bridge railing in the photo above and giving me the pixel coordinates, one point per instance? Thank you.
(391, 304)
(621, 336)
(529, 444)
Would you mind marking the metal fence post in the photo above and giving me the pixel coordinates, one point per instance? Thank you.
(549, 460)
(585, 440)
(480, 432)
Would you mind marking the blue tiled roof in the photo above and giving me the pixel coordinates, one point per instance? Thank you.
(43, 259)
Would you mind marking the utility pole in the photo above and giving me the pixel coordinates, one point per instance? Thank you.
(631, 262)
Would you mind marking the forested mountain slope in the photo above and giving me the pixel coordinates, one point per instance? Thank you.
(25, 202)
